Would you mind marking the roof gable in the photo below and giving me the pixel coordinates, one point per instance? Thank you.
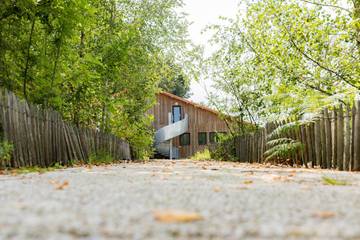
(186, 101)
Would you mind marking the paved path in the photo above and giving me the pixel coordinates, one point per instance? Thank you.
(235, 201)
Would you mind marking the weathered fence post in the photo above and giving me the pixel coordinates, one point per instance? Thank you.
(328, 142)
(347, 144)
(334, 138)
(323, 140)
(340, 139)
(308, 144)
(356, 143)
(305, 151)
(317, 145)
(41, 138)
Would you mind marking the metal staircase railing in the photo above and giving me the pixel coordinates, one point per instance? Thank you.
(169, 132)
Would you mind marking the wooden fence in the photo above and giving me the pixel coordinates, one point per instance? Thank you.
(331, 140)
(41, 138)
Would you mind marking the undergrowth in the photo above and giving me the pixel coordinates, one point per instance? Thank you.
(202, 155)
(100, 158)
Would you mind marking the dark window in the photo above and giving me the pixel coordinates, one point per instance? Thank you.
(176, 113)
(185, 139)
(213, 137)
(202, 138)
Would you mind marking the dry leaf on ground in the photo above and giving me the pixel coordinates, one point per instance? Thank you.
(324, 214)
(61, 186)
(248, 182)
(275, 177)
(217, 189)
(172, 216)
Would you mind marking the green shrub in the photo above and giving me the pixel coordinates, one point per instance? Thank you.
(202, 155)
(224, 149)
(100, 158)
(6, 149)
(282, 148)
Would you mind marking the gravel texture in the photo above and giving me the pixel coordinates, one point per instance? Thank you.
(236, 201)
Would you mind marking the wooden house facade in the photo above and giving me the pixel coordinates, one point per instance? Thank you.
(203, 123)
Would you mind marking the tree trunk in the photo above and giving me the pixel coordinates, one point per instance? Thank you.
(28, 58)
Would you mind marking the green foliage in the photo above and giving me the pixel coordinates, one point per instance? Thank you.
(99, 63)
(281, 148)
(202, 155)
(35, 169)
(178, 84)
(284, 129)
(224, 149)
(278, 141)
(283, 151)
(100, 158)
(6, 150)
(280, 58)
(333, 182)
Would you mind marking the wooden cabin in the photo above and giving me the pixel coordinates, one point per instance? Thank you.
(194, 127)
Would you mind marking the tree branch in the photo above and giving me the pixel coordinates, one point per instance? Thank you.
(328, 5)
(338, 75)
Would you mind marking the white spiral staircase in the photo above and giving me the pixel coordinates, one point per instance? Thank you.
(164, 136)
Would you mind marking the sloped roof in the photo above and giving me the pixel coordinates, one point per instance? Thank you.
(189, 102)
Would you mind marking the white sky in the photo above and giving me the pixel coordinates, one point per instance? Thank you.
(202, 13)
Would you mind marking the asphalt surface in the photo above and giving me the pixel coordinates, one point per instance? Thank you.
(180, 200)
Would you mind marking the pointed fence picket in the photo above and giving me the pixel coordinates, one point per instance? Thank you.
(41, 137)
(331, 140)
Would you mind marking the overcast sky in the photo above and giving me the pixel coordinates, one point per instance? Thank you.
(201, 13)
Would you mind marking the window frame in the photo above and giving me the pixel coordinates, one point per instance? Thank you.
(188, 143)
(199, 138)
(173, 113)
(213, 137)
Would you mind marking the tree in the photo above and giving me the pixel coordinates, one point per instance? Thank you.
(176, 82)
(286, 57)
(99, 63)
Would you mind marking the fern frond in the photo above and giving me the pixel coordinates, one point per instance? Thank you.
(284, 129)
(287, 128)
(278, 141)
(284, 150)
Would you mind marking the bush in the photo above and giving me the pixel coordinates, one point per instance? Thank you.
(202, 155)
(282, 149)
(224, 149)
(100, 158)
(6, 150)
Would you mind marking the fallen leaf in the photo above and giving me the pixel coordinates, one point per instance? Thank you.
(334, 182)
(248, 182)
(217, 189)
(274, 177)
(173, 216)
(62, 186)
(324, 214)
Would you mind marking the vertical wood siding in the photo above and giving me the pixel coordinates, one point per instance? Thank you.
(200, 120)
